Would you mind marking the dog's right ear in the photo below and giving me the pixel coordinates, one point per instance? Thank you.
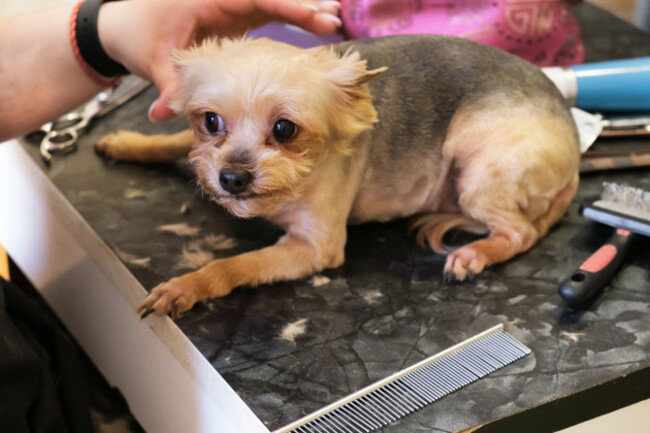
(188, 66)
(183, 59)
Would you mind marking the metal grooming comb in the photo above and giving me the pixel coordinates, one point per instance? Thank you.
(406, 391)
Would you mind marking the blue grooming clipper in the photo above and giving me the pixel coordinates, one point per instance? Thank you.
(618, 85)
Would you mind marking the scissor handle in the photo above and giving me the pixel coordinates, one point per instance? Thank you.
(62, 134)
(70, 120)
(63, 140)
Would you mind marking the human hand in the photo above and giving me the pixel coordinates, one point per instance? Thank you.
(142, 34)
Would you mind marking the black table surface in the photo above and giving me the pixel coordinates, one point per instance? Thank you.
(387, 306)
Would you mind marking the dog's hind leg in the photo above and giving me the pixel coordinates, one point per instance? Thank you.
(133, 146)
(517, 176)
(558, 207)
(511, 232)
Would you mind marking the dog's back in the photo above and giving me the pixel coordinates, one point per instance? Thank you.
(429, 79)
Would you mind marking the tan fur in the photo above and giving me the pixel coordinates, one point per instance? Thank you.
(522, 203)
(321, 180)
(431, 228)
(133, 146)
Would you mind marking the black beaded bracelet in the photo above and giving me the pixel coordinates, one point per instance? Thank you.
(90, 48)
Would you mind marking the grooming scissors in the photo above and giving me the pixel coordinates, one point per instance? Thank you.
(62, 134)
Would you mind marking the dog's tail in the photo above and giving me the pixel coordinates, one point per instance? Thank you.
(432, 228)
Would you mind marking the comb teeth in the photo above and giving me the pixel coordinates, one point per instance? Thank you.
(626, 196)
(415, 387)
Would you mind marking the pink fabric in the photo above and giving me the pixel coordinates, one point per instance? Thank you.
(541, 31)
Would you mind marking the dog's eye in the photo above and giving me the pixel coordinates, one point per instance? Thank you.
(213, 122)
(284, 130)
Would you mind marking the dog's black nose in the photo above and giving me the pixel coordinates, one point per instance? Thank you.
(235, 180)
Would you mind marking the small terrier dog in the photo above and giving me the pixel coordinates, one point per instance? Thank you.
(451, 132)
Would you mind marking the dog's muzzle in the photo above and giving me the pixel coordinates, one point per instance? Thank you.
(235, 180)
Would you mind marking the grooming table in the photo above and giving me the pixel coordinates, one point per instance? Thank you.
(92, 235)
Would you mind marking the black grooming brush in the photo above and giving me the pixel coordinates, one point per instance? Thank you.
(628, 210)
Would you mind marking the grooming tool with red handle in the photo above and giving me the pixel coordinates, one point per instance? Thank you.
(628, 210)
(597, 270)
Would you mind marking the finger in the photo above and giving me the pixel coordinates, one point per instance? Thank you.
(322, 24)
(292, 10)
(167, 81)
(331, 7)
(160, 111)
(303, 13)
(314, 16)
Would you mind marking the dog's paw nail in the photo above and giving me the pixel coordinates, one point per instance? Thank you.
(146, 312)
(470, 276)
(448, 278)
(100, 146)
(175, 312)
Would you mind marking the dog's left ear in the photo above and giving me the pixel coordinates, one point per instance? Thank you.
(351, 72)
(347, 74)
(369, 75)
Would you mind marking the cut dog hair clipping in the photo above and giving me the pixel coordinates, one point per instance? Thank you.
(406, 391)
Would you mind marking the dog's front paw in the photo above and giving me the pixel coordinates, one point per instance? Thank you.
(464, 263)
(119, 145)
(175, 296)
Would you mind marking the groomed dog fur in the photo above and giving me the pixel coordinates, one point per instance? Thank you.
(448, 131)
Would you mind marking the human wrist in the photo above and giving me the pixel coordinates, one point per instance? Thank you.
(109, 28)
(91, 44)
(76, 21)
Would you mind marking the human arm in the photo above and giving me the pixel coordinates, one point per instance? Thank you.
(40, 79)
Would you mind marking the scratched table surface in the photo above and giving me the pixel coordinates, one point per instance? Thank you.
(290, 348)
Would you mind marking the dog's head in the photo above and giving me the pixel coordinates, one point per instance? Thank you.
(266, 114)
